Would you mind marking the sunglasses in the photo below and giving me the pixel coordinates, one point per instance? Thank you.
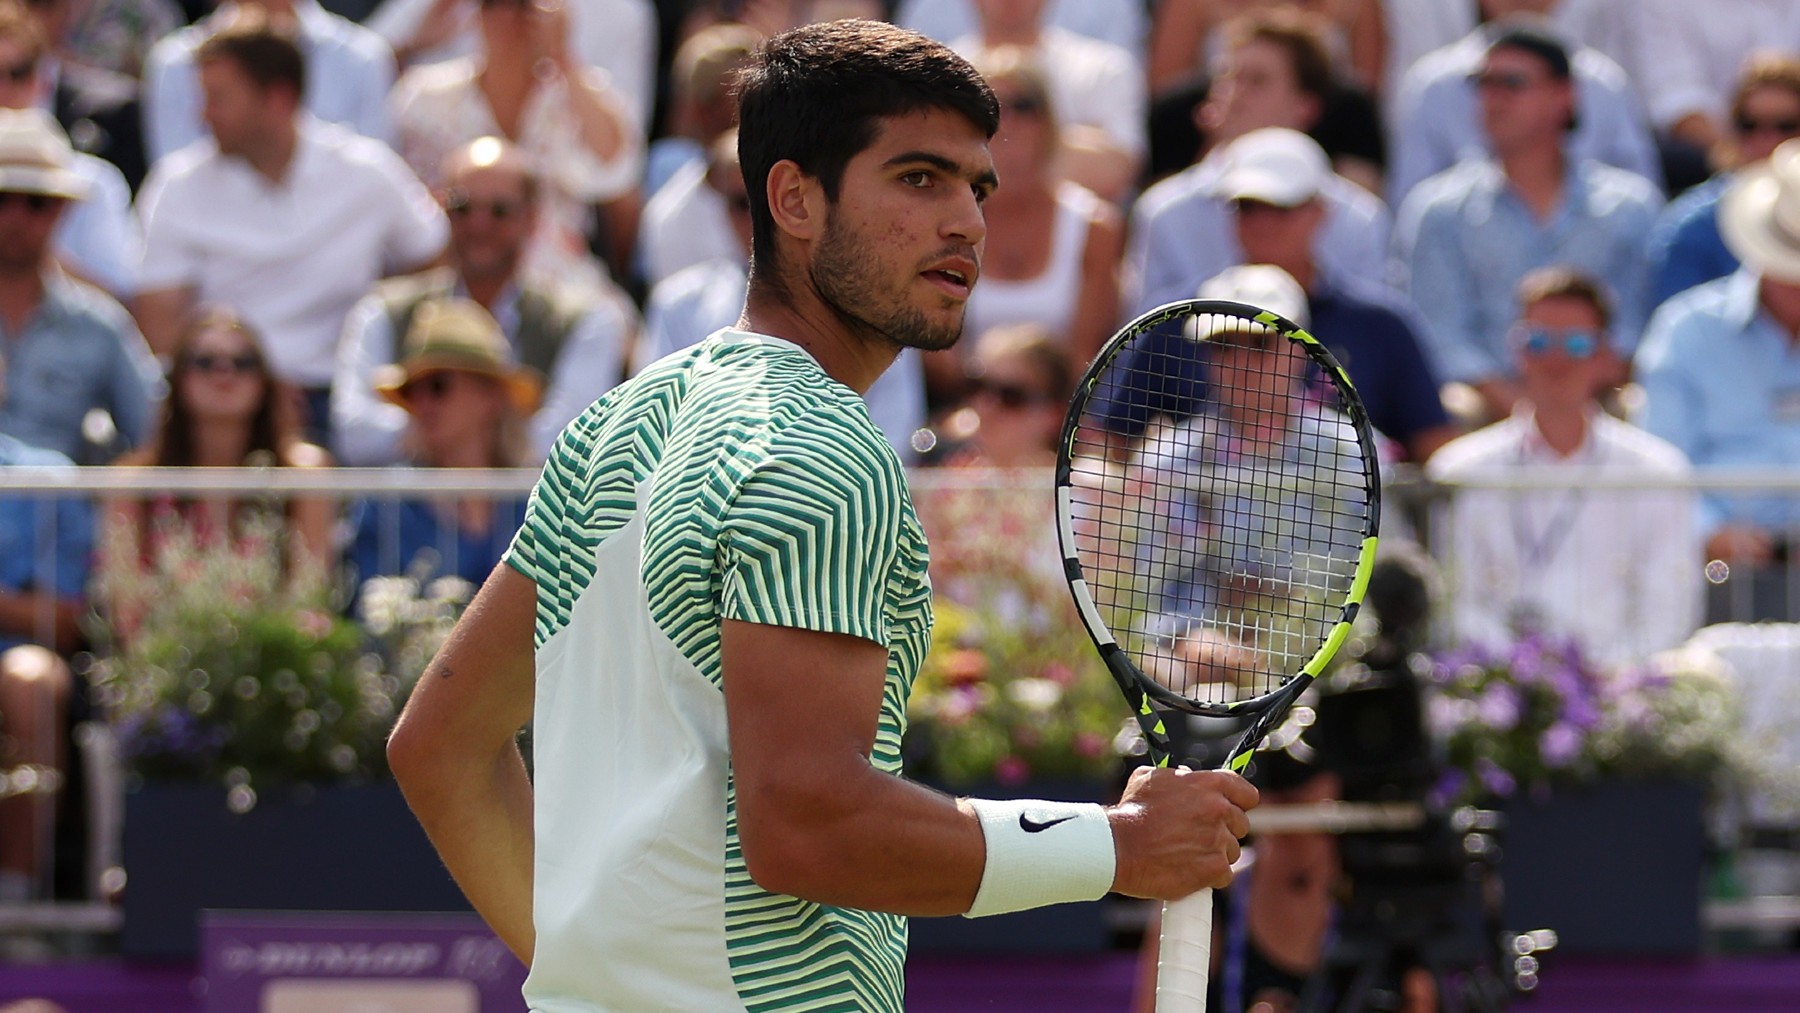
(208, 362)
(1009, 396)
(460, 205)
(1752, 125)
(1494, 80)
(1538, 341)
(36, 203)
(1024, 105)
(20, 73)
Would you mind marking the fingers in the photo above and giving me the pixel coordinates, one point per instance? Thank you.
(1176, 831)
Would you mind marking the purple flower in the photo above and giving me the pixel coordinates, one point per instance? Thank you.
(1011, 771)
(1498, 708)
(1560, 744)
(1495, 778)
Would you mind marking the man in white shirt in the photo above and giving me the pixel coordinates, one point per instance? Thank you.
(283, 218)
(1123, 23)
(576, 343)
(1687, 55)
(1617, 569)
(350, 69)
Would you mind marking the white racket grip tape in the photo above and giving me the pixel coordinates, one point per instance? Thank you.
(1184, 956)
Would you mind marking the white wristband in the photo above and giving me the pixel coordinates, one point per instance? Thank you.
(1041, 853)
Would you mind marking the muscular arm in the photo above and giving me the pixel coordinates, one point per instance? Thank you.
(817, 821)
(456, 756)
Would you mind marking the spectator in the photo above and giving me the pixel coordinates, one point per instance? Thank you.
(1020, 382)
(284, 218)
(1469, 234)
(1183, 234)
(74, 351)
(1277, 207)
(97, 239)
(579, 342)
(44, 550)
(1188, 35)
(466, 403)
(348, 68)
(1119, 22)
(1098, 89)
(224, 411)
(1719, 378)
(688, 221)
(615, 37)
(696, 301)
(97, 103)
(702, 104)
(1688, 56)
(526, 85)
(1685, 247)
(1618, 570)
(1438, 122)
(113, 36)
(1053, 246)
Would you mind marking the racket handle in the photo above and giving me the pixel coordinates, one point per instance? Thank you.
(1184, 955)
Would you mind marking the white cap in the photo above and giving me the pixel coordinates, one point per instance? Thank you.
(1264, 286)
(1273, 165)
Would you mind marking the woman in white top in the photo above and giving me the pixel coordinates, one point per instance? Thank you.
(525, 85)
(1053, 247)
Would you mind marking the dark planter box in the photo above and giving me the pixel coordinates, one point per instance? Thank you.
(1614, 869)
(1060, 928)
(328, 848)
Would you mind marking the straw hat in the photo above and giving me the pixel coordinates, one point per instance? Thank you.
(1759, 215)
(457, 334)
(36, 157)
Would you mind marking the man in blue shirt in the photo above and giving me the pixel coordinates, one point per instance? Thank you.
(1720, 368)
(45, 544)
(1276, 209)
(72, 349)
(1685, 247)
(1465, 237)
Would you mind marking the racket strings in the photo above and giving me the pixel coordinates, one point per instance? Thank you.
(1221, 543)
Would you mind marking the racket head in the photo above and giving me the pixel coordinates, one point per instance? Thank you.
(1219, 556)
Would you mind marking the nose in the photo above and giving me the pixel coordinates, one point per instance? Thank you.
(966, 222)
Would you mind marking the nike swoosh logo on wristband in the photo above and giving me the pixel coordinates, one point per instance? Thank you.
(1032, 826)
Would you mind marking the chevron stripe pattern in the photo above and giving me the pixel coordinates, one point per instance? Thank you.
(772, 498)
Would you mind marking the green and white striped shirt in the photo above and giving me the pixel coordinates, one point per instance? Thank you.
(733, 480)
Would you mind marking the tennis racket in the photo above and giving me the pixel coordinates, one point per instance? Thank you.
(1218, 558)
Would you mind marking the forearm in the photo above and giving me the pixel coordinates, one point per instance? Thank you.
(477, 810)
(600, 121)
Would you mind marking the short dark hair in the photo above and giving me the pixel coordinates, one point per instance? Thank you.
(814, 95)
(1560, 282)
(1300, 34)
(265, 52)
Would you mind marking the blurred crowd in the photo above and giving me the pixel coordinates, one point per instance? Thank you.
(428, 233)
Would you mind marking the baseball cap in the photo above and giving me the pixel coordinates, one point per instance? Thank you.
(1273, 165)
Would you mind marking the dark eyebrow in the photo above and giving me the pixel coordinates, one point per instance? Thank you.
(985, 178)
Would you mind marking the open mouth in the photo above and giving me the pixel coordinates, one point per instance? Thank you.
(950, 280)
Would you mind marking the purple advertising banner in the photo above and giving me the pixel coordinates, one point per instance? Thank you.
(304, 962)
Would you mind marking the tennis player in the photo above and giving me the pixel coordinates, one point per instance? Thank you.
(723, 587)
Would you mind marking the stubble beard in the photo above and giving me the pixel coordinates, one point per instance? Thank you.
(844, 273)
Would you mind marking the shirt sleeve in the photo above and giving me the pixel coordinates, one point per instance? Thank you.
(1671, 405)
(171, 98)
(809, 540)
(169, 260)
(136, 383)
(417, 230)
(365, 430)
(1440, 284)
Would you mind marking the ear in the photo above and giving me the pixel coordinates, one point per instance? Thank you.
(796, 201)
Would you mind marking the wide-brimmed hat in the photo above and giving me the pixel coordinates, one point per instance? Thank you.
(1759, 215)
(457, 334)
(36, 157)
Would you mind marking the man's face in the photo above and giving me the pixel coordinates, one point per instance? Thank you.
(1253, 87)
(1561, 351)
(1522, 103)
(1500, 10)
(901, 246)
(490, 220)
(1270, 234)
(18, 74)
(1256, 376)
(1769, 115)
(235, 109)
(26, 221)
(1010, 16)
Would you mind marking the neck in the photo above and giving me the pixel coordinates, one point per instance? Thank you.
(1302, 271)
(1782, 302)
(1016, 34)
(465, 454)
(272, 158)
(853, 359)
(21, 292)
(504, 68)
(1536, 171)
(1562, 427)
(221, 444)
(487, 289)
